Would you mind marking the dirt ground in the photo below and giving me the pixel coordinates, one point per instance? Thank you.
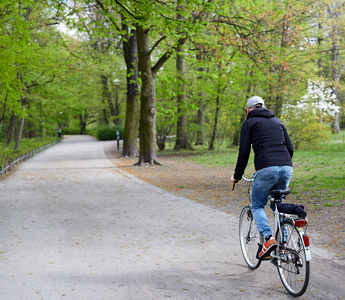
(212, 186)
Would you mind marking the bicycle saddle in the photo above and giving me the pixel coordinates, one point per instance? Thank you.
(277, 192)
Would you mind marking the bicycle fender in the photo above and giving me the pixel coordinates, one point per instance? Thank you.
(307, 254)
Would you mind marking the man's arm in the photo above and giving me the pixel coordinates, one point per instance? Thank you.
(288, 142)
(243, 152)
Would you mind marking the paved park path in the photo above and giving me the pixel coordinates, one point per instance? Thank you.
(73, 226)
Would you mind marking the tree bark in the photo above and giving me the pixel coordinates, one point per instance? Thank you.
(3, 109)
(11, 129)
(20, 133)
(108, 97)
(130, 138)
(147, 130)
(211, 147)
(181, 133)
(21, 126)
(147, 124)
(83, 118)
(200, 136)
(335, 78)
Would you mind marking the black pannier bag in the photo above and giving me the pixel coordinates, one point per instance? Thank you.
(292, 209)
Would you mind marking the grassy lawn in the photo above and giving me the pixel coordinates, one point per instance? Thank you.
(319, 175)
(7, 152)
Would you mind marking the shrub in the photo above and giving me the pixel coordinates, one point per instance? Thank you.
(70, 130)
(305, 129)
(107, 133)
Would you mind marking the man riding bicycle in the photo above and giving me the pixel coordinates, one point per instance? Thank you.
(273, 153)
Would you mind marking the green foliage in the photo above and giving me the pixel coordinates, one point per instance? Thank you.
(7, 152)
(305, 129)
(107, 133)
(70, 130)
(235, 50)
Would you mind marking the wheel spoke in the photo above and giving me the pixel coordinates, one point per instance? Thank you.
(249, 238)
(292, 265)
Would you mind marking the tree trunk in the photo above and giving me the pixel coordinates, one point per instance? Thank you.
(147, 124)
(21, 126)
(250, 93)
(108, 97)
(147, 130)
(11, 130)
(3, 109)
(83, 118)
(181, 136)
(130, 138)
(200, 136)
(31, 128)
(211, 147)
(335, 78)
(161, 142)
(20, 133)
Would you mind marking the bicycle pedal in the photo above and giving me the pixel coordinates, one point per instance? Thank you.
(274, 261)
(266, 257)
(259, 250)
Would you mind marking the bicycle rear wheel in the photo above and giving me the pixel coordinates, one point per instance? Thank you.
(249, 238)
(293, 268)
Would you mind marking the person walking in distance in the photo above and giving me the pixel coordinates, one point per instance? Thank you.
(273, 151)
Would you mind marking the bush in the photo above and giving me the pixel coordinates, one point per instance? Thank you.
(107, 133)
(305, 129)
(72, 130)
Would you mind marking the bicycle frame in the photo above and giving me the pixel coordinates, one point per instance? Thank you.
(297, 222)
(291, 256)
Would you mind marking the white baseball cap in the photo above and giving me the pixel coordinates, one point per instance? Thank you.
(255, 100)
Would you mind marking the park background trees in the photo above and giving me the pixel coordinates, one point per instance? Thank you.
(162, 69)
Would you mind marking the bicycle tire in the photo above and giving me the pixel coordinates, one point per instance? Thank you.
(293, 268)
(249, 238)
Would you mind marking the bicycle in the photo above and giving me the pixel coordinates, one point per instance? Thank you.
(292, 255)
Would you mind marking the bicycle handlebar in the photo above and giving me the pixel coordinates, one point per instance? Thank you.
(245, 179)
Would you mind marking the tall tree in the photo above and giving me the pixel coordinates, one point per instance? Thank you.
(271, 35)
(132, 108)
(200, 138)
(144, 14)
(336, 22)
(181, 131)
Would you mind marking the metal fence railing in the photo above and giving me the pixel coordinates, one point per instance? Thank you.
(12, 163)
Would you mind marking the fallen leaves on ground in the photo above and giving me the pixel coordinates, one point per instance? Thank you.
(212, 186)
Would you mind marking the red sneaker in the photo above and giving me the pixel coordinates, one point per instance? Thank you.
(267, 247)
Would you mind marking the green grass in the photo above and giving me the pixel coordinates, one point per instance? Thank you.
(221, 157)
(7, 152)
(319, 175)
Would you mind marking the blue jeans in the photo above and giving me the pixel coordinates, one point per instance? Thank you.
(264, 180)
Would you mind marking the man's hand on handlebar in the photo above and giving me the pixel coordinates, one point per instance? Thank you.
(233, 179)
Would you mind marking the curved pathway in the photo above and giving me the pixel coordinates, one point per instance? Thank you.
(73, 226)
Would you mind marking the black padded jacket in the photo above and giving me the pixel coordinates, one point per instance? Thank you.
(268, 136)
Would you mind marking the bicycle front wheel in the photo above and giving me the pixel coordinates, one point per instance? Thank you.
(249, 238)
(293, 268)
